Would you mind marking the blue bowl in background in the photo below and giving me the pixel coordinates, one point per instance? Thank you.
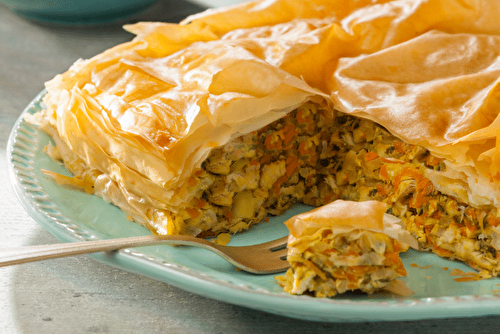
(77, 11)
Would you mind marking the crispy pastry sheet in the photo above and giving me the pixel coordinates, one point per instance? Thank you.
(346, 216)
(148, 112)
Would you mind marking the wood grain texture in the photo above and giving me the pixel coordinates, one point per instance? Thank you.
(80, 295)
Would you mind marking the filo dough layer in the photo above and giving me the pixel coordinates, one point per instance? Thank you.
(140, 119)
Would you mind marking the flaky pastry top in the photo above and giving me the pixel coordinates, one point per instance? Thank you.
(148, 112)
(346, 216)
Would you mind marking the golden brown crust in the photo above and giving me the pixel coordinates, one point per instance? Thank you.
(149, 123)
(438, 90)
(147, 113)
(159, 96)
(346, 216)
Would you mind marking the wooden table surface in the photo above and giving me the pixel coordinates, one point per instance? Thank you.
(80, 295)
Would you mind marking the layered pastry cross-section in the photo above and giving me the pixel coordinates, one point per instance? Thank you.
(344, 247)
(210, 125)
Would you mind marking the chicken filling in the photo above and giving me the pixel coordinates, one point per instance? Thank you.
(326, 264)
(314, 156)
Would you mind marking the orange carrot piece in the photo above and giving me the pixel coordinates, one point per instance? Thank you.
(369, 156)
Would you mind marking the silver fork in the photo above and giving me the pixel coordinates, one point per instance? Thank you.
(264, 258)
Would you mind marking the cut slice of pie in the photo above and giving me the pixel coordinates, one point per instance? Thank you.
(344, 246)
(210, 125)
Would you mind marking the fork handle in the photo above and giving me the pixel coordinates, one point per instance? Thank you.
(43, 252)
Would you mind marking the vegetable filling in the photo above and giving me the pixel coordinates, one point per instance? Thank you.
(326, 264)
(314, 156)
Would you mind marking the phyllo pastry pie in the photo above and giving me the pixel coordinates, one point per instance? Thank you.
(344, 246)
(209, 125)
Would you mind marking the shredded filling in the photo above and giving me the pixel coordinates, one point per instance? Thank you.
(326, 264)
(315, 156)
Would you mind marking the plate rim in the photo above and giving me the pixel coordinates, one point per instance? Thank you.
(188, 279)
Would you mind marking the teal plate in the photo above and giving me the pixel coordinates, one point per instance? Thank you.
(72, 215)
